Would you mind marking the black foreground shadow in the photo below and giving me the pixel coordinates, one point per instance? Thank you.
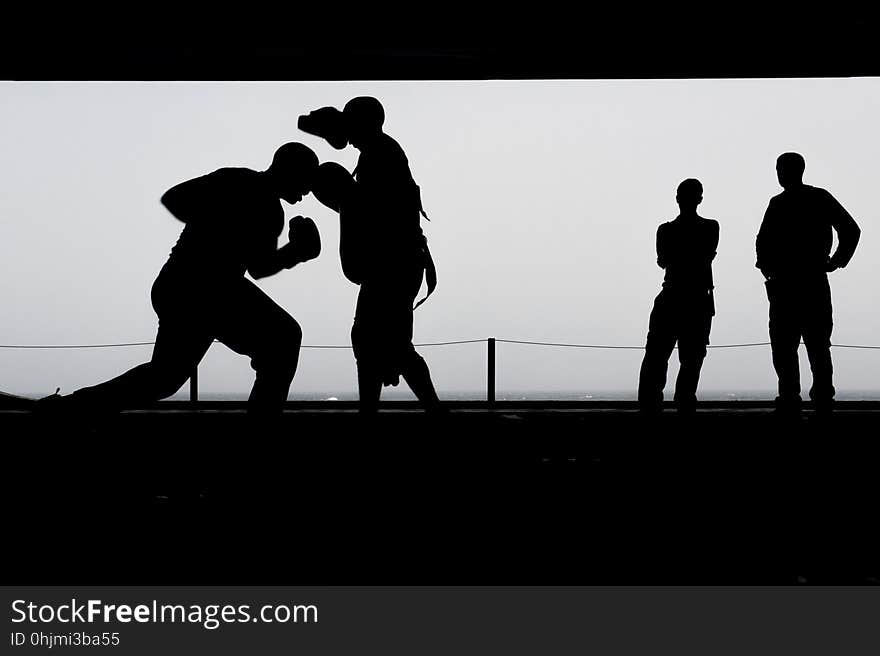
(525, 494)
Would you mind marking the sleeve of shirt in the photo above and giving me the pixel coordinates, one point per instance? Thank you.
(848, 232)
(764, 247)
(195, 199)
(715, 229)
(662, 249)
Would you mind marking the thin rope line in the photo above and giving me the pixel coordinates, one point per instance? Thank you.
(126, 344)
(592, 346)
(608, 346)
(461, 341)
(450, 343)
(642, 348)
(72, 346)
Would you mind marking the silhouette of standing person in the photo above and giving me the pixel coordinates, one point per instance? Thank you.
(382, 249)
(793, 253)
(233, 218)
(684, 308)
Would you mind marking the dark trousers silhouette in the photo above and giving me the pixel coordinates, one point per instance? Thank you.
(801, 309)
(382, 339)
(682, 319)
(191, 316)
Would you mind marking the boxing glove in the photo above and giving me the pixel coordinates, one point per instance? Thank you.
(326, 123)
(304, 238)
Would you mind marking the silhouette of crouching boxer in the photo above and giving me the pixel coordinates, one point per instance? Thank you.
(233, 218)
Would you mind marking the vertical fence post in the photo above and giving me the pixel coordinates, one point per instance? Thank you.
(490, 378)
(194, 385)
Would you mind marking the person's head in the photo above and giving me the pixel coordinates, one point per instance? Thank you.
(689, 195)
(333, 185)
(292, 171)
(364, 117)
(790, 170)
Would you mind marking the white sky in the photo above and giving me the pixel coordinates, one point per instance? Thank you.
(544, 199)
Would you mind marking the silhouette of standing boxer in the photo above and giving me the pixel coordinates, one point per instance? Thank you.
(382, 249)
(793, 247)
(684, 308)
(233, 218)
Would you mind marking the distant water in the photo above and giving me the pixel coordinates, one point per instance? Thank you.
(401, 395)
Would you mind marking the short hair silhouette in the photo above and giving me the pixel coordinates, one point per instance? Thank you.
(294, 158)
(689, 192)
(292, 171)
(790, 168)
(365, 110)
(364, 118)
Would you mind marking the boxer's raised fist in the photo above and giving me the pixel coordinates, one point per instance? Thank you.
(304, 238)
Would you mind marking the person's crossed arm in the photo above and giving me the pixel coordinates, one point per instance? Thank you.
(714, 234)
(662, 247)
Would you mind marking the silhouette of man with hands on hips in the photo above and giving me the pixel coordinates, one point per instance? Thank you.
(794, 254)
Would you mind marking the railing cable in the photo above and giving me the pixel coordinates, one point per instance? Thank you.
(449, 343)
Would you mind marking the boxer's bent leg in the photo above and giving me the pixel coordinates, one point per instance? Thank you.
(253, 324)
(180, 346)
